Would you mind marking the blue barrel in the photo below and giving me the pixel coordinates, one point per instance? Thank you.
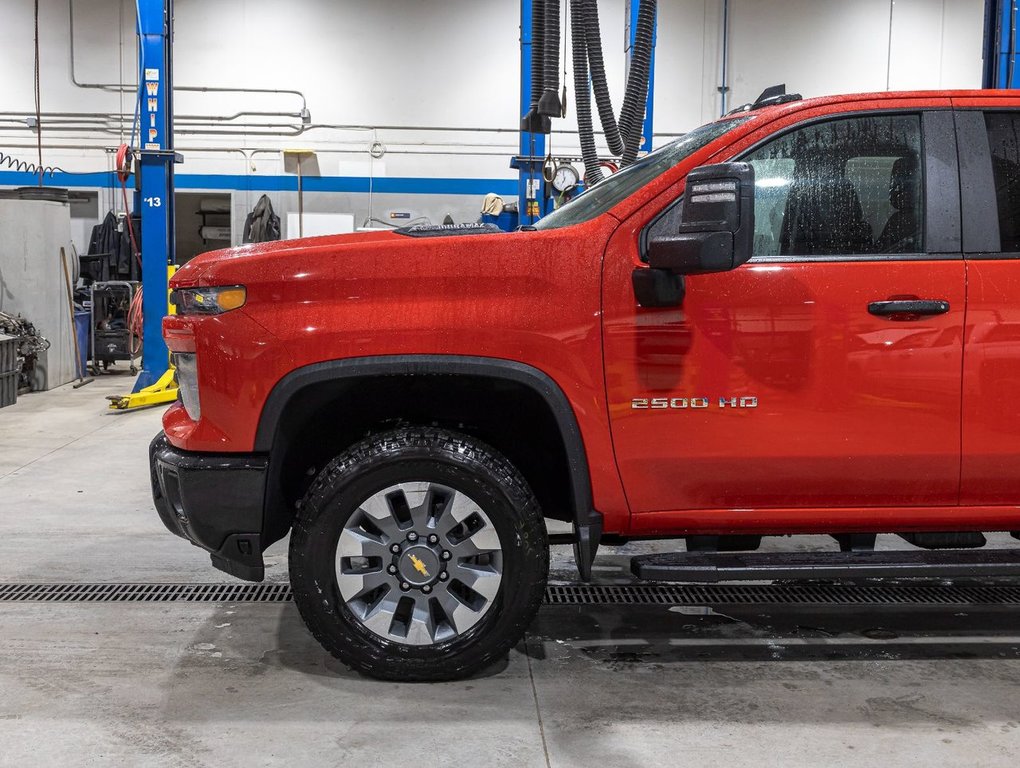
(81, 327)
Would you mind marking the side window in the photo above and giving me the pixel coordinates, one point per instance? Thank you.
(1004, 143)
(847, 186)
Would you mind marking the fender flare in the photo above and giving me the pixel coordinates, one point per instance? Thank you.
(587, 522)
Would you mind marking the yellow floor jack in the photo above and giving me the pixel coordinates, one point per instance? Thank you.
(162, 392)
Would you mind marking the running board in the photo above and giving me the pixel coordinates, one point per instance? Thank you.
(755, 566)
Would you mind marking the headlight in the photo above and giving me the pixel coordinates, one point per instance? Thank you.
(208, 301)
(187, 383)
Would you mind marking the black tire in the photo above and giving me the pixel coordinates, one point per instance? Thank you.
(414, 454)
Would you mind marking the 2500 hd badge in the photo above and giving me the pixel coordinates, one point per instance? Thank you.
(681, 403)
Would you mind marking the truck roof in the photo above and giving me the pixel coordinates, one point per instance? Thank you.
(776, 96)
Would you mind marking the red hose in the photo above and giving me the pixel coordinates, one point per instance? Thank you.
(135, 323)
(135, 318)
(123, 173)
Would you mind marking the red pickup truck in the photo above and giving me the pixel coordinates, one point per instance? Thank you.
(802, 318)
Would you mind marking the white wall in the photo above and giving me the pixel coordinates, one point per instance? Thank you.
(452, 63)
(822, 47)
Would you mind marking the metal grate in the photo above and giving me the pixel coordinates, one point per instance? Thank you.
(556, 594)
(780, 594)
(146, 593)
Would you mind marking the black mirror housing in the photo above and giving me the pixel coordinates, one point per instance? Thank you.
(716, 224)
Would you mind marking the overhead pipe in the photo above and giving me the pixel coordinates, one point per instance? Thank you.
(264, 150)
(304, 114)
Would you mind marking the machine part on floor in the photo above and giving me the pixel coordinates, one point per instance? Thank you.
(699, 567)
(29, 344)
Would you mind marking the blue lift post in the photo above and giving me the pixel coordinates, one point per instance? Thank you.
(1002, 20)
(531, 198)
(155, 201)
(1006, 74)
(632, 15)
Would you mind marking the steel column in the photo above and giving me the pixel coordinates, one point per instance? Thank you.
(155, 29)
(531, 197)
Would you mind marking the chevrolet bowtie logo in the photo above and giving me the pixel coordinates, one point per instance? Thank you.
(419, 566)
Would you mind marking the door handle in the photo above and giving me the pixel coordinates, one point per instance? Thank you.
(908, 307)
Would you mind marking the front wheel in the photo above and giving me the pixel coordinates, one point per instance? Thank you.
(419, 554)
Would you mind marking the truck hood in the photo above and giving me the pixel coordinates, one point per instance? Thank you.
(207, 268)
(283, 259)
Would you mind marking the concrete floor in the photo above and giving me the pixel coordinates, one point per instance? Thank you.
(222, 685)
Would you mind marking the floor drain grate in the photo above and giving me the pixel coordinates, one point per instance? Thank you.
(782, 594)
(145, 593)
(555, 594)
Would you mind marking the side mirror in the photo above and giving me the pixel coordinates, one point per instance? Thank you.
(716, 223)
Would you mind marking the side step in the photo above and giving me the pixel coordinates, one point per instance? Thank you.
(755, 566)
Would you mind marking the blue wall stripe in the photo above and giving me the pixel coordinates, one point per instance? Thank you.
(288, 183)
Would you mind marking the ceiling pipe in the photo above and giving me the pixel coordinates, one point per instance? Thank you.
(304, 114)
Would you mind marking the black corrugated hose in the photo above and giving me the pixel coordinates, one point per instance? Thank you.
(632, 113)
(582, 94)
(549, 103)
(532, 122)
(593, 42)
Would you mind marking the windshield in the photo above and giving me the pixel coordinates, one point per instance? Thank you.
(604, 195)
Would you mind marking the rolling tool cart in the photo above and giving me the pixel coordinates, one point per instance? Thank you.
(114, 335)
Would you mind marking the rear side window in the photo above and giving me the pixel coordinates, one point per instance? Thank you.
(847, 186)
(1004, 143)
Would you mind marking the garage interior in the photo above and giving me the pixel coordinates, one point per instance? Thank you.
(121, 644)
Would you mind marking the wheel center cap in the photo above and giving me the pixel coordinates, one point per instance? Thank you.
(418, 565)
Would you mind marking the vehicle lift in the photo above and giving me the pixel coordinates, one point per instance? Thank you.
(154, 198)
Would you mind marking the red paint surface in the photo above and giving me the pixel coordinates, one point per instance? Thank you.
(860, 419)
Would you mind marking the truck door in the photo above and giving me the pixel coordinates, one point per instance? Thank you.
(809, 377)
(990, 167)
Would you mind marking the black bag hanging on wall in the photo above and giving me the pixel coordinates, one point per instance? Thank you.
(262, 225)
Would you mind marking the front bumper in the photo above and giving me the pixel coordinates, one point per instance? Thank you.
(215, 501)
